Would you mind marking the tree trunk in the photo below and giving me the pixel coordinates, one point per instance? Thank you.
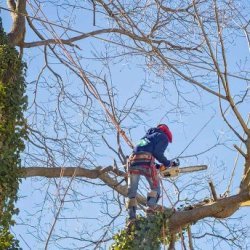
(17, 33)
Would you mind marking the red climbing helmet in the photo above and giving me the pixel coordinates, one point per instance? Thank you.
(164, 128)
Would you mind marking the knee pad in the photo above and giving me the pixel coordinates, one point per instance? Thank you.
(132, 202)
(153, 194)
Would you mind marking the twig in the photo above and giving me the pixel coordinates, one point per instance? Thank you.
(240, 151)
(211, 185)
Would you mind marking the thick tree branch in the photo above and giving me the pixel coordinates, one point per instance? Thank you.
(69, 171)
(222, 208)
(99, 172)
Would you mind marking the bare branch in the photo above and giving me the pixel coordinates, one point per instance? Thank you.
(240, 151)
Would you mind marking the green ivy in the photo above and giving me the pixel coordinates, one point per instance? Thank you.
(145, 234)
(13, 132)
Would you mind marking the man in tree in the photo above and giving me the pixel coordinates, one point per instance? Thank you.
(142, 162)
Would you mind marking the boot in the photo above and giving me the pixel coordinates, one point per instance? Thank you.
(131, 224)
(153, 210)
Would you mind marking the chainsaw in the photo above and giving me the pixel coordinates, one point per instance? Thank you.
(175, 170)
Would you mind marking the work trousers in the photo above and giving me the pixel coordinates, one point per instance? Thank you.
(153, 195)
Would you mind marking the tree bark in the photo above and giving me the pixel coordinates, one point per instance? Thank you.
(17, 33)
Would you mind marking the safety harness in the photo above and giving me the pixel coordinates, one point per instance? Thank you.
(142, 163)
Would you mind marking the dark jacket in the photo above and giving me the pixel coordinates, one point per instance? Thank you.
(154, 142)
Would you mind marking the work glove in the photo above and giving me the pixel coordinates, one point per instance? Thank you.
(171, 171)
(175, 163)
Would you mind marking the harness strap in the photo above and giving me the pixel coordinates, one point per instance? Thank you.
(141, 158)
(146, 166)
(153, 194)
(140, 172)
(141, 155)
(154, 175)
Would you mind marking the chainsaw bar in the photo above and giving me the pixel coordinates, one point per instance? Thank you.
(192, 169)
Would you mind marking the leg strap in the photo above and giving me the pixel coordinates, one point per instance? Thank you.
(132, 202)
(153, 194)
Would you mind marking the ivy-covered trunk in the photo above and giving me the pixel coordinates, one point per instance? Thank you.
(146, 233)
(13, 102)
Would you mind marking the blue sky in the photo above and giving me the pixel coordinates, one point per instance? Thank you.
(128, 76)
